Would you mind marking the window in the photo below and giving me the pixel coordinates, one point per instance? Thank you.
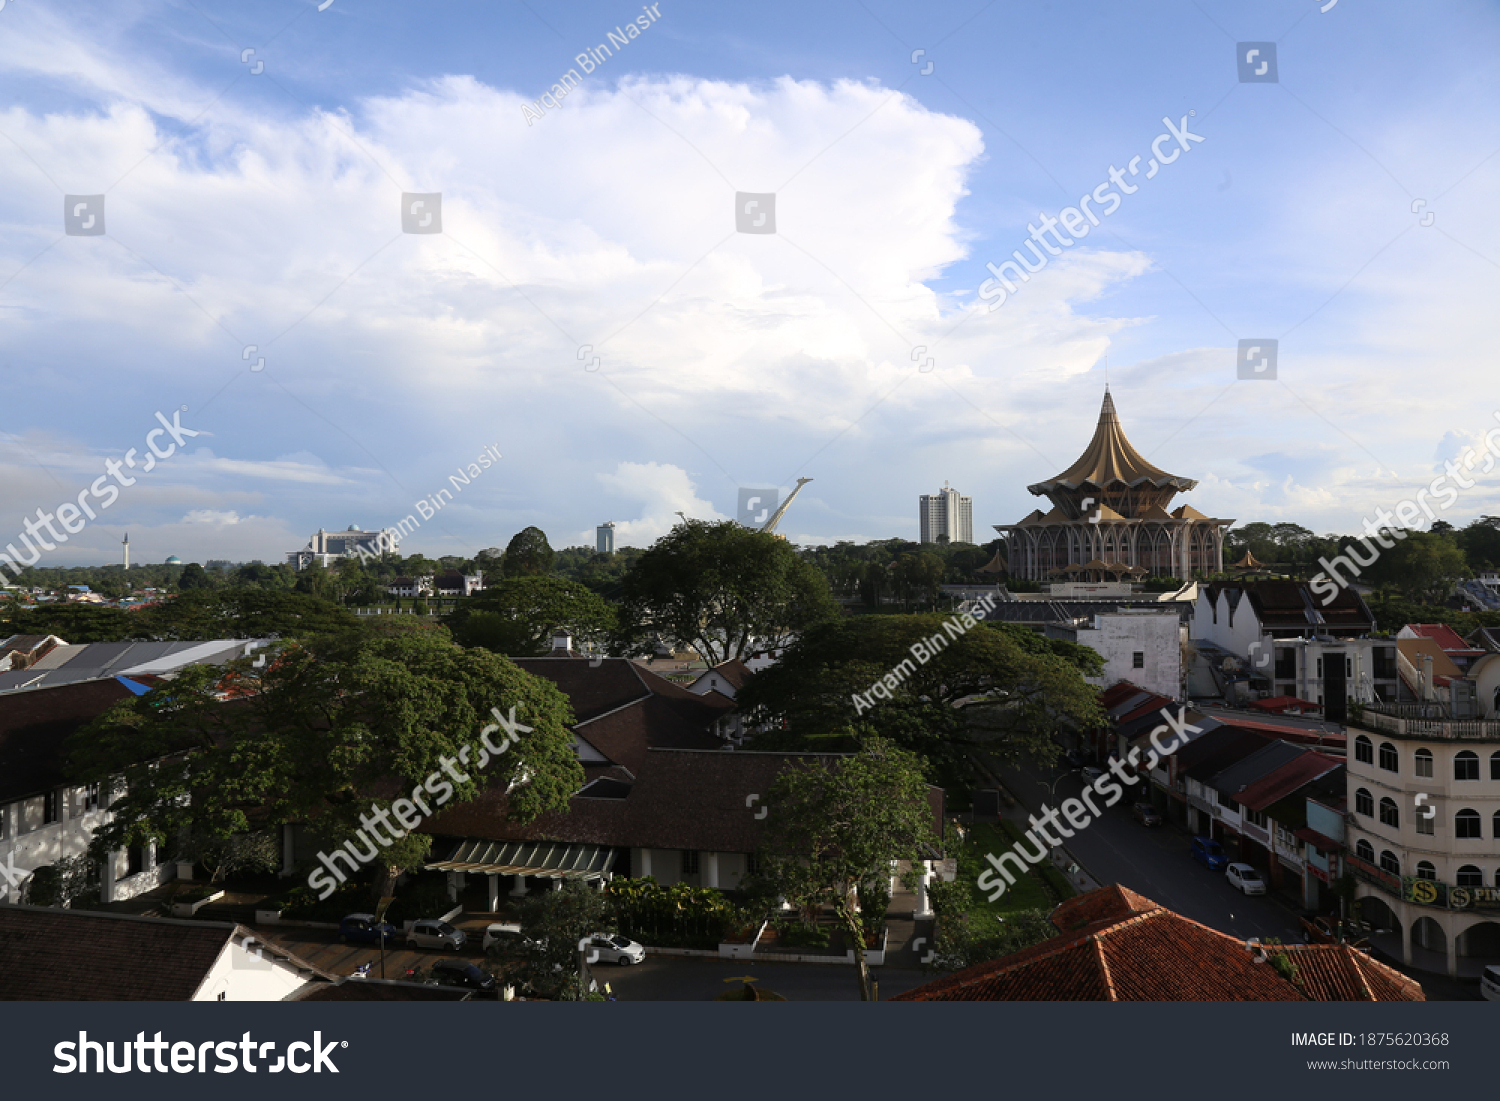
(1385, 662)
(135, 860)
(1424, 763)
(1320, 669)
(90, 798)
(1495, 766)
(1364, 803)
(1425, 870)
(1286, 666)
(1388, 759)
(1467, 823)
(1364, 750)
(689, 861)
(1365, 851)
(1496, 826)
(1389, 863)
(1255, 818)
(51, 808)
(4, 817)
(1389, 815)
(1470, 876)
(1224, 800)
(1466, 766)
(1138, 659)
(1426, 826)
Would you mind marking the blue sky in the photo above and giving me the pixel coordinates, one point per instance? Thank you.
(264, 208)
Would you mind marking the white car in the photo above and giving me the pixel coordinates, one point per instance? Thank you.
(501, 930)
(1245, 878)
(615, 949)
(432, 933)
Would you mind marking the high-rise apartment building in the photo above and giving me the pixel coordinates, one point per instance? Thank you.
(604, 538)
(946, 513)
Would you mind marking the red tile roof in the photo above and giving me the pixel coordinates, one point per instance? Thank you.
(1446, 637)
(1288, 778)
(1137, 950)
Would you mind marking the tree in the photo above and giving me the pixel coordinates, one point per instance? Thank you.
(919, 575)
(325, 732)
(1420, 565)
(721, 589)
(259, 851)
(555, 923)
(241, 613)
(74, 623)
(994, 685)
(194, 577)
(71, 879)
(834, 828)
(517, 616)
(528, 554)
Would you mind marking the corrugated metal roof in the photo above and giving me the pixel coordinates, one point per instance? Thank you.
(550, 859)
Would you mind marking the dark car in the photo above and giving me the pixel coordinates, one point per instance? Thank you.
(1145, 814)
(363, 929)
(461, 973)
(1074, 758)
(1210, 854)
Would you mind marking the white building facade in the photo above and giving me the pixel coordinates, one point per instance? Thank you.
(946, 512)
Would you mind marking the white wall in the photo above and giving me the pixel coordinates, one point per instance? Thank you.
(1117, 638)
(242, 976)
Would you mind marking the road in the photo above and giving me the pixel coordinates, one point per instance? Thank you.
(1154, 862)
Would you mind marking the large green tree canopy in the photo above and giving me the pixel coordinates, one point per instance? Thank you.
(517, 616)
(320, 733)
(995, 684)
(528, 554)
(721, 589)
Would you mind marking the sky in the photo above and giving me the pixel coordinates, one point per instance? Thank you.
(586, 291)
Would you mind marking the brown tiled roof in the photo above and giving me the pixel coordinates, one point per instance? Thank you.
(735, 671)
(376, 990)
(681, 799)
(1140, 951)
(72, 955)
(1274, 787)
(35, 723)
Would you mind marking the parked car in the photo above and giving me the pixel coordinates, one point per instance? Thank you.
(431, 933)
(1489, 983)
(1318, 929)
(1091, 773)
(1209, 853)
(363, 929)
(1145, 814)
(502, 930)
(613, 948)
(1073, 758)
(1245, 878)
(461, 973)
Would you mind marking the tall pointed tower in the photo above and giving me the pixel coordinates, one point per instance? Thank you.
(1109, 519)
(126, 543)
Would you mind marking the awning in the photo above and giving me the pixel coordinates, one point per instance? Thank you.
(551, 859)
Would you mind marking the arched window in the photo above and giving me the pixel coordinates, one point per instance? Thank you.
(1389, 863)
(1389, 815)
(1467, 823)
(1466, 766)
(1388, 758)
(1364, 803)
(1423, 759)
(1497, 825)
(1365, 851)
(1495, 764)
(1425, 870)
(1364, 750)
(1470, 876)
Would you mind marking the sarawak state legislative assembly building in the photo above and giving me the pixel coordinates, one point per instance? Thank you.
(1109, 520)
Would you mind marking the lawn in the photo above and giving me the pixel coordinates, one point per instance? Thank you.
(1029, 892)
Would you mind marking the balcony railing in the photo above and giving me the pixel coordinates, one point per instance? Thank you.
(1380, 717)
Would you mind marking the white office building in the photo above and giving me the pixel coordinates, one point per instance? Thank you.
(946, 513)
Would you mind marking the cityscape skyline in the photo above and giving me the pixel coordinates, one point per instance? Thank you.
(253, 253)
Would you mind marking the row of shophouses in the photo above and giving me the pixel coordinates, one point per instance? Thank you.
(1392, 817)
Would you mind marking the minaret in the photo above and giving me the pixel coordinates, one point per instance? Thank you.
(126, 544)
